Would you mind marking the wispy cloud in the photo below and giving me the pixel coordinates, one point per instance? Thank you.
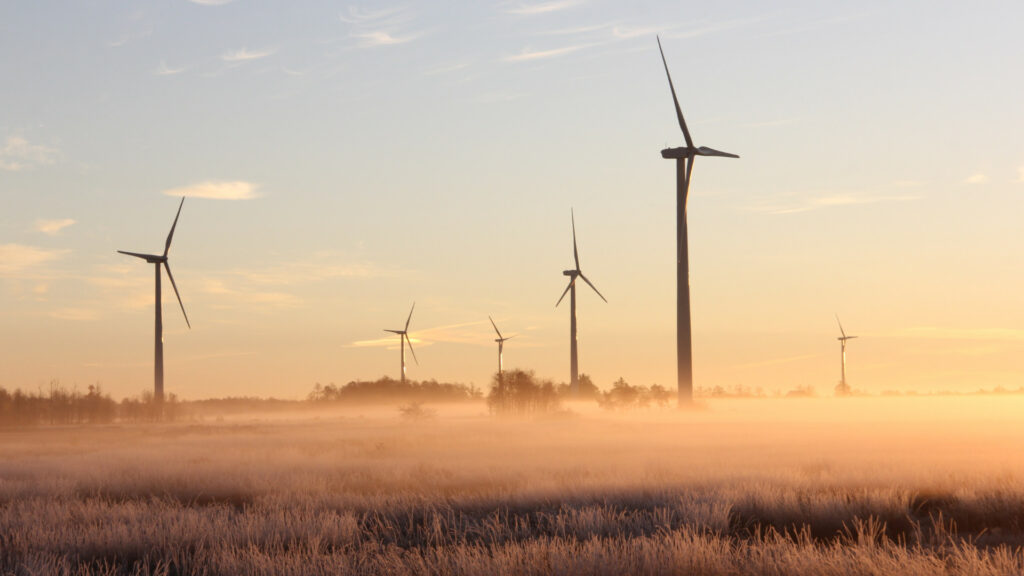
(245, 55)
(528, 55)
(359, 16)
(828, 201)
(978, 178)
(165, 70)
(17, 259)
(382, 38)
(322, 267)
(19, 154)
(464, 333)
(626, 33)
(216, 190)
(384, 27)
(543, 7)
(53, 227)
(250, 297)
(1020, 175)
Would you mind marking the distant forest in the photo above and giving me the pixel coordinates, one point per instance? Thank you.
(516, 393)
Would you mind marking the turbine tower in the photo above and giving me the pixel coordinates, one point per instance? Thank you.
(501, 344)
(158, 354)
(571, 288)
(843, 387)
(403, 336)
(684, 158)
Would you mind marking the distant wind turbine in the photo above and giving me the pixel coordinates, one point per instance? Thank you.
(571, 288)
(501, 344)
(843, 388)
(158, 259)
(403, 336)
(684, 158)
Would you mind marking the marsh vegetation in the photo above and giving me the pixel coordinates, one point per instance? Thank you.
(756, 486)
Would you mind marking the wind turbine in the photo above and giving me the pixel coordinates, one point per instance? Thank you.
(403, 336)
(684, 158)
(843, 387)
(501, 344)
(158, 355)
(571, 288)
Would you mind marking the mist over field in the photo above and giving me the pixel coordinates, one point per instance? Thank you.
(797, 486)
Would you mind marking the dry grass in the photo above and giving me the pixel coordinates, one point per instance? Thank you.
(854, 486)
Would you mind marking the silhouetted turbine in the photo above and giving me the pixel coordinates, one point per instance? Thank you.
(501, 344)
(842, 346)
(158, 354)
(571, 288)
(403, 336)
(684, 158)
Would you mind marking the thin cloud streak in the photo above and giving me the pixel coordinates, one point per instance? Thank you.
(18, 154)
(528, 56)
(164, 70)
(978, 178)
(543, 8)
(53, 227)
(245, 55)
(216, 190)
(381, 38)
(829, 201)
(19, 259)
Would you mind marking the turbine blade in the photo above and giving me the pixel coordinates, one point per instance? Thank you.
(575, 252)
(679, 112)
(594, 287)
(170, 234)
(495, 326)
(407, 339)
(409, 319)
(394, 331)
(571, 282)
(175, 286)
(841, 331)
(137, 255)
(705, 151)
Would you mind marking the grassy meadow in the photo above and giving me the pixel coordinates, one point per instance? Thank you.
(902, 485)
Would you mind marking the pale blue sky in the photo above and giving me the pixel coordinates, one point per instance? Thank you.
(386, 153)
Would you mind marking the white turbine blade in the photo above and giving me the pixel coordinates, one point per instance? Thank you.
(594, 287)
(175, 286)
(409, 340)
(571, 282)
(170, 234)
(409, 319)
(841, 331)
(575, 252)
(495, 326)
(394, 331)
(705, 151)
(679, 111)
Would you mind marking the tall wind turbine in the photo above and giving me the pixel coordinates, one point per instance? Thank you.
(158, 354)
(501, 345)
(403, 336)
(843, 388)
(684, 158)
(571, 288)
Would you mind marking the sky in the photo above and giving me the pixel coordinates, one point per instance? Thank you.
(341, 161)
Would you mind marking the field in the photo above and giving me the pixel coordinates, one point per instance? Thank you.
(927, 485)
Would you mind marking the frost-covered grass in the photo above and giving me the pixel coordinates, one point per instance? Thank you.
(854, 486)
